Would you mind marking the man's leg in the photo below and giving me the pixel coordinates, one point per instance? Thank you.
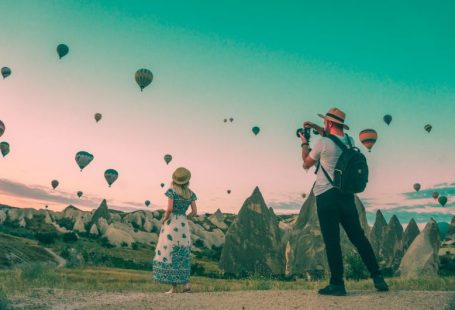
(349, 218)
(328, 214)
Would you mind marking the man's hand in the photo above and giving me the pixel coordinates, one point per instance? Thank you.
(302, 137)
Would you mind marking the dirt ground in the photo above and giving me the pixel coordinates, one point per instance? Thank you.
(272, 299)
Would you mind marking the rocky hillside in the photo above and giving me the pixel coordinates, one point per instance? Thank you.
(254, 241)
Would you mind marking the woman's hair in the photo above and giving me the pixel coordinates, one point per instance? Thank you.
(182, 189)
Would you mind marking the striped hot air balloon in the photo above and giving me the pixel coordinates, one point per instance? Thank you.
(368, 138)
(143, 78)
(428, 127)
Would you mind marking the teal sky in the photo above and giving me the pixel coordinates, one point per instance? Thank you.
(271, 65)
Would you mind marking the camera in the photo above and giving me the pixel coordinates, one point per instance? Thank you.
(305, 132)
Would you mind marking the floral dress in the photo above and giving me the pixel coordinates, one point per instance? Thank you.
(171, 263)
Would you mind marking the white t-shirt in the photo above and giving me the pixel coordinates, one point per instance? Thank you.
(327, 153)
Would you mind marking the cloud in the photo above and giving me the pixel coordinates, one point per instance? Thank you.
(45, 195)
(427, 193)
(289, 205)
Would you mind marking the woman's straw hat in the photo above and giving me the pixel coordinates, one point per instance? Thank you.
(335, 115)
(181, 176)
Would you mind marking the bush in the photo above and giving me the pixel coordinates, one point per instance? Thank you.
(105, 243)
(66, 223)
(70, 237)
(46, 237)
(199, 243)
(4, 302)
(135, 246)
(197, 269)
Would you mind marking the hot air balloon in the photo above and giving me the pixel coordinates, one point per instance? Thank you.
(388, 119)
(368, 138)
(167, 158)
(442, 200)
(62, 50)
(46, 206)
(231, 119)
(416, 187)
(428, 127)
(147, 203)
(228, 191)
(256, 130)
(225, 120)
(79, 194)
(98, 116)
(6, 72)
(162, 185)
(83, 159)
(303, 195)
(110, 175)
(435, 195)
(143, 78)
(4, 148)
(2, 128)
(54, 184)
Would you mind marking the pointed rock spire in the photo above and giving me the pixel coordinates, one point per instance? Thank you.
(421, 259)
(252, 242)
(410, 233)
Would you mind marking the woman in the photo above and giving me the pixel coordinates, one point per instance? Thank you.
(171, 263)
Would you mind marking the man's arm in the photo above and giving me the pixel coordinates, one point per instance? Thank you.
(307, 160)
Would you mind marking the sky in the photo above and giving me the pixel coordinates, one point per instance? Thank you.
(269, 65)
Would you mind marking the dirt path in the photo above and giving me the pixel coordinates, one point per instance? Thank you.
(61, 261)
(273, 299)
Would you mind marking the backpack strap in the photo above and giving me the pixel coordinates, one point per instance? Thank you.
(341, 145)
(338, 142)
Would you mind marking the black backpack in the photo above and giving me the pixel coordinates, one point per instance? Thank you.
(351, 170)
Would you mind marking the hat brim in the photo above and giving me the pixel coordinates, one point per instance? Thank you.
(334, 120)
(181, 182)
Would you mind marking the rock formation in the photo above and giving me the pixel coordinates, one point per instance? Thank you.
(252, 243)
(410, 233)
(421, 258)
(392, 247)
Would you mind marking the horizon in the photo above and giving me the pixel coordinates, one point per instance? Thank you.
(267, 65)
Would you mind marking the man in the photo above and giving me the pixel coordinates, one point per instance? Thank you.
(334, 207)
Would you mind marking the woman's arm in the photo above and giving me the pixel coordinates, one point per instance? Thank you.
(193, 210)
(170, 205)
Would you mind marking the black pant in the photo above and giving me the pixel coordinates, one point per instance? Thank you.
(335, 208)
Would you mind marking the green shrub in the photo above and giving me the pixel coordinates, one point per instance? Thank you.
(199, 243)
(46, 237)
(70, 237)
(66, 223)
(135, 246)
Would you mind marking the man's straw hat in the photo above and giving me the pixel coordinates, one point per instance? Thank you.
(181, 176)
(335, 115)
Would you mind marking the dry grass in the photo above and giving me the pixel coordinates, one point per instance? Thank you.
(15, 281)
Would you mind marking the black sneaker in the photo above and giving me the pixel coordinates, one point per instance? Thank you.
(334, 290)
(380, 284)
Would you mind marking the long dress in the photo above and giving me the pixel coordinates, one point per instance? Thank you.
(171, 263)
